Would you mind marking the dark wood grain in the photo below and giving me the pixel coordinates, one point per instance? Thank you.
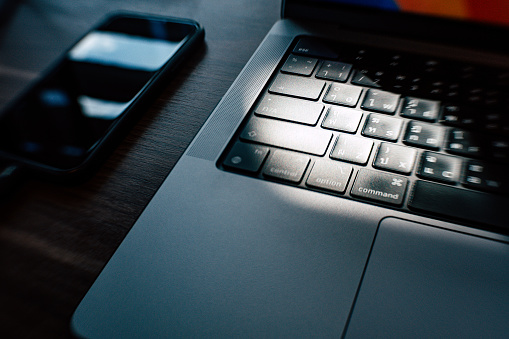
(55, 239)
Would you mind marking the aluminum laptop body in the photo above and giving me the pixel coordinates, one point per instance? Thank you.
(217, 253)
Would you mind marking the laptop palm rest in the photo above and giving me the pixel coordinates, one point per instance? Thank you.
(219, 265)
(427, 282)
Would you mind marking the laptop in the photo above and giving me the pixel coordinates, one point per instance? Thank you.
(351, 183)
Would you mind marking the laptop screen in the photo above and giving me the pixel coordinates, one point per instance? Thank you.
(480, 24)
(487, 11)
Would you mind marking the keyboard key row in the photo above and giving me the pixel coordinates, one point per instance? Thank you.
(465, 117)
(468, 117)
(357, 150)
(380, 126)
(385, 187)
(371, 185)
(348, 95)
(407, 73)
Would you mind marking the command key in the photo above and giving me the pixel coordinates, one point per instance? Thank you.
(381, 187)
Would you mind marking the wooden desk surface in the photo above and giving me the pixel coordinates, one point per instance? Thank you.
(55, 239)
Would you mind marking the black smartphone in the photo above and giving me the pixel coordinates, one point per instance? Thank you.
(63, 124)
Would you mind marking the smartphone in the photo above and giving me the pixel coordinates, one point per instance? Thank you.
(63, 125)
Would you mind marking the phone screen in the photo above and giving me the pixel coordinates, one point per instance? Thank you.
(60, 121)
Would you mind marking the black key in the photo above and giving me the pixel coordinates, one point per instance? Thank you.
(287, 135)
(342, 119)
(457, 203)
(297, 86)
(460, 116)
(505, 124)
(342, 94)
(352, 149)
(397, 61)
(367, 78)
(395, 158)
(373, 59)
(291, 109)
(476, 93)
(381, 187)
(362, 56)
(247, 157)
(312, 47)
(382, 127)
(493, 96)
(499, 148)
(436, 88)
(486, 177)
(439, 167)
(330, 175)
(451, 115)
(452, 91)
(380, 101)
(420, 109)
(464, 143)
(424, 135)
(493, 122)
(286, 166)
(416, 86)
(400, 82)
(298, 64)
(337, 71)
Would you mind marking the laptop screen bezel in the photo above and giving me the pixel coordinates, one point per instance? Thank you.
(449, 31)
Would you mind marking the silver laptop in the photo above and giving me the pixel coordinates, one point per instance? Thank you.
(351, 183)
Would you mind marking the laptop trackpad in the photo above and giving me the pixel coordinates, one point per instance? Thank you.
(423, 281)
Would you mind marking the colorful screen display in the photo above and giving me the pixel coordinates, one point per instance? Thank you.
(492, 11)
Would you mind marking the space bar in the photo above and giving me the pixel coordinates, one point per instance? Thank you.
(287, 135)
(473, 206)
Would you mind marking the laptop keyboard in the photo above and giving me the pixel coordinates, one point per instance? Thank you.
(413, 133)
